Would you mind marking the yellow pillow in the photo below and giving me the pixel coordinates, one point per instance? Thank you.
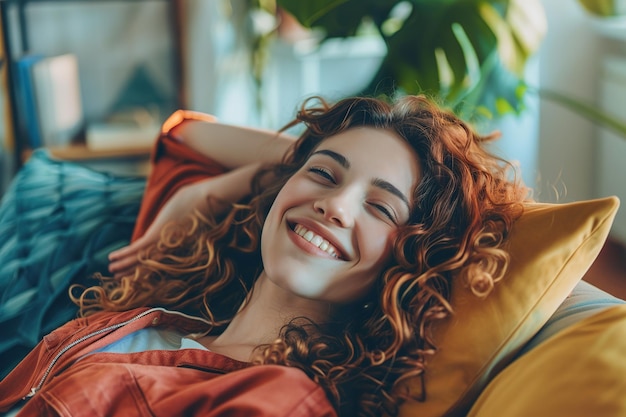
(580, 372)
(551, 248)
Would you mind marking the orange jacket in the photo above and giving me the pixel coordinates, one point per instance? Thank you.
(57, 379)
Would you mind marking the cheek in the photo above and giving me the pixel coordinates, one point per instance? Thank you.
(291, 193)
(376, 252)
(377, 246)
(286, 197)
(272, 225)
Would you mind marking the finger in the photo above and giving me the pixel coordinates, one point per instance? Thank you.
(130, 250)
(122, 264)
(120, 253)
(126, 272)
(125, 251)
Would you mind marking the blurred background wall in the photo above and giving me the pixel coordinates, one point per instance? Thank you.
(578, 159)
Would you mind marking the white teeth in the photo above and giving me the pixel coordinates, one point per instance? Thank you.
(316, 240)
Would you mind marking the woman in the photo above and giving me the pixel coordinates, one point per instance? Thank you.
(332, 264)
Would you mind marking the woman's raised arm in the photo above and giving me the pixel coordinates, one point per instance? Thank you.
(232, 146)
(240, 150)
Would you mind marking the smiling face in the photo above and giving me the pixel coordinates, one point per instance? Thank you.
(329, 233)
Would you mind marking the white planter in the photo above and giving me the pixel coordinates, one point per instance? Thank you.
(296, 71)
(611, 26)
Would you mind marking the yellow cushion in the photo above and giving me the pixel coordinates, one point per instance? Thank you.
(580, 372)
(551, 247)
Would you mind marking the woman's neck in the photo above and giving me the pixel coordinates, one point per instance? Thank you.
(261, 318)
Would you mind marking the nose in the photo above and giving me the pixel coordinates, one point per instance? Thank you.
(339, 207)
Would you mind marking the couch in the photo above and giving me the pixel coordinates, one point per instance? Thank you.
(544, 343)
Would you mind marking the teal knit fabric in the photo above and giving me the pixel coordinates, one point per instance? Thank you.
(58, 222)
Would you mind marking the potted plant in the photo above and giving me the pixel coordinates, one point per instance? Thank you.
(470, 54)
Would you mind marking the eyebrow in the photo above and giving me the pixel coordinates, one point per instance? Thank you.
(377, 182)
(336, 156)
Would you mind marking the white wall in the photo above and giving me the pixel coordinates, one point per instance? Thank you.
(570, 62)
(611, 150)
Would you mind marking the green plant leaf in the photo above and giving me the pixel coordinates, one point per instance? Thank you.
(444, 48)
(599, 7)
(337, 18)
(499, 92)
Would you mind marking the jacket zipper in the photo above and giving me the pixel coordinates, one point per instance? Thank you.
(56, 358)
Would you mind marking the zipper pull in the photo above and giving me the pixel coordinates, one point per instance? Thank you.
(32, 393)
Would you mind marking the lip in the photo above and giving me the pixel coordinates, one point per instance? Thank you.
(318, 230)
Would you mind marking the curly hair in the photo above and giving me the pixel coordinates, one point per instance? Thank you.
(464, 206)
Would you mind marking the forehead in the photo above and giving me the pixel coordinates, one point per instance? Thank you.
(376, 144)
(359, 137)
(381, 152)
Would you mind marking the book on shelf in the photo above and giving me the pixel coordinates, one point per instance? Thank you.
(134, 128)
(104, 136)
(51, 112)
(27, 104)
(57, 92)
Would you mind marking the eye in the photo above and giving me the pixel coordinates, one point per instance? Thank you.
(385, 212)
(323, 173)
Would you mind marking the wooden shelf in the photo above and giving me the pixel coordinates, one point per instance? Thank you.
(119, 162)
(83, 153)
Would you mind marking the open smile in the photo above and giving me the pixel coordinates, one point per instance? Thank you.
(315, 240)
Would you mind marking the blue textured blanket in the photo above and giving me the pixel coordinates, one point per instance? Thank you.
(58, 222)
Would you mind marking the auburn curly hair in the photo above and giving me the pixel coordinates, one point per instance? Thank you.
(464, 207)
